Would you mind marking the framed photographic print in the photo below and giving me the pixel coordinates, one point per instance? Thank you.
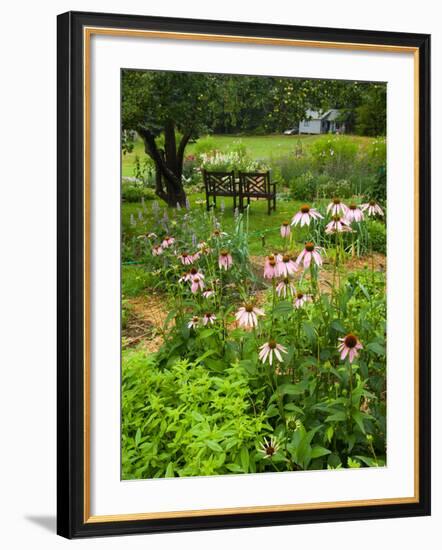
(243, 274)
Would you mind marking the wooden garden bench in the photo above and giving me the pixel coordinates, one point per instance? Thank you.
(220, 184)
(257, 185)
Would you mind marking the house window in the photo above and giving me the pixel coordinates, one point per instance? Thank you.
(306, 122)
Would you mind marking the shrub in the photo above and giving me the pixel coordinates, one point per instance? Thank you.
(335, 188)
(233, 160)
(378, 236)
(185, 420)
(204, 145)
(334, 155)
(135, 193)
(135, 279)
(304, 187)
(290, 167)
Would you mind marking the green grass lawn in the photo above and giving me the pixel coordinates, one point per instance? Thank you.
(264, 236)
(258, 147)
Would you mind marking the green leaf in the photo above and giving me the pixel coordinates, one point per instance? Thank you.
(309, 331)
(214, 446)
(169, 470)
(359, 419)
(338, 326)
(337, 417)
(364, 290)
(137, 437)
(290, 389)
(206, 333)
(282, 309)
(376, 348)
(244, 454)
(236, 468)
(318, 451)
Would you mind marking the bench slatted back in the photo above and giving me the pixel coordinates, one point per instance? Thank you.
(255, 183)
(219, 182)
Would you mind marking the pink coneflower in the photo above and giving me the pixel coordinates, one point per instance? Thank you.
(194, 322)
(337, 225)
(373, 208)
(168, 241)
(194, 272)
(270, 349)
(196, 256)
(310, 252)
(285, 265)
(208, 293)
(186, 258)
(285, 230)
(336, 207)
(247, 316)
(305, 215)
(225, 260)
(269, 447)
(197, 284)
(218, 233)
(157, 250)
(204, 248)
(270, 267)
(349, 346)
(184, 278)
(209, 319)
(285, 288)
(354, 214)
(301, 299)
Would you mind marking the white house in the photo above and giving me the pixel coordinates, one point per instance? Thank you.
(317, 122)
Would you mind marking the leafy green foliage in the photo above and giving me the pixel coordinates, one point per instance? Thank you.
(185, 420)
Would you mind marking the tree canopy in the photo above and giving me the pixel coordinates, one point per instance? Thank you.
(167, 109)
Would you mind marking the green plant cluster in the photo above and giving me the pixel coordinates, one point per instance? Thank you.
(208, 402)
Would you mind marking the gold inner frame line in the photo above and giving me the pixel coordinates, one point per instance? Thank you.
(87, 34)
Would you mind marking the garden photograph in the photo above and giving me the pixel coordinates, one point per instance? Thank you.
(253, 274)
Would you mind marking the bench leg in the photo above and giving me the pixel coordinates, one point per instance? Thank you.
(234, 203)
(269, 206)
(207, 202)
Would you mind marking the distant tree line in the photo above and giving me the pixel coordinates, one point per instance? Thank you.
(167, 109)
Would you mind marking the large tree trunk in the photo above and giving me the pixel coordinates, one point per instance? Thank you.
(168, 164)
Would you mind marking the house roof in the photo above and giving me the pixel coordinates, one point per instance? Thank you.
(331, 114)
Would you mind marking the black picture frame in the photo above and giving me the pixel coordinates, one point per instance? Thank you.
(70, 293)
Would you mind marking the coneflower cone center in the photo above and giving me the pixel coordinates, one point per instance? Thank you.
(299, 295)
(353, 206)
(305, 208)
(309, 247)
(270, 450)
(272, 262)
(285, 224)
(224, 253)
(336, 201)
(248, 308)
(286, 258)
(350, 341)
(336, 218)
(193, 271)
(272, 344)
(184, 254)
(372, 203)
